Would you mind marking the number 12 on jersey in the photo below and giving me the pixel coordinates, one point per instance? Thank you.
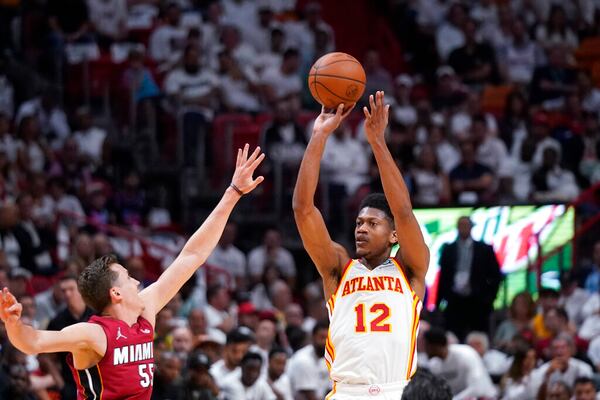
(378, 323)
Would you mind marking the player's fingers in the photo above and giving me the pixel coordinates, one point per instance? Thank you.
(15, 308)
(257, 182)
(254, 154)
(238, 160)
(348, 110)
(387, 111)
(257, 162)
(245, 152)
(366, 112)
(340, 110)
(372, 104)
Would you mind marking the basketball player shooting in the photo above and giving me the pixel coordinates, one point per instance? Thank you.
(112, 354)
(374, 300)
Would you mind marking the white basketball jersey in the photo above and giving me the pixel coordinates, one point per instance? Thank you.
(374, 320)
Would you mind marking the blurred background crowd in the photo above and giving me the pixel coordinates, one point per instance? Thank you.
(118, 125)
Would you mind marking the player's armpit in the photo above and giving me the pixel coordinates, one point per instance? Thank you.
(413, 253)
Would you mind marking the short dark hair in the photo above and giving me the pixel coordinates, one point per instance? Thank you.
(548, 292)
(68, 277)
(241, 334)
(277, 350)
(584, 380)
(378, 201)
(96, 280)
(436, 336)
(320, 326)
(212, 291)
(290, 52)
(249, 356)
(426, 386)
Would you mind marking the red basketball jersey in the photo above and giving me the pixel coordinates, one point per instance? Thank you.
(127, 369)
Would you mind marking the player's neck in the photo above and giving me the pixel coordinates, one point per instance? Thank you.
(118, 311)
(375, 261)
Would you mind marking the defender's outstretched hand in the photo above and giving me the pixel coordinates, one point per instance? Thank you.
(377, 118)
(10, 308)
(328, 122)
(244, 169)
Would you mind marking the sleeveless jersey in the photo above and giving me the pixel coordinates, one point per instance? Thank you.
(127, 369)
(374, 320)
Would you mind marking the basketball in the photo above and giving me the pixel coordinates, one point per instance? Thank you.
(336, 78)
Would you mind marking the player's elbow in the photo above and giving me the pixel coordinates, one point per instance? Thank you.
(301, 207)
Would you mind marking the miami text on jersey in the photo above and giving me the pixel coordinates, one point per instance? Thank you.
(133, 353)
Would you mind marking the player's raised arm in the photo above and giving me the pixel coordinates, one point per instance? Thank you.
(327, 255)
(82, 336)
(413, 252)
(203, 241)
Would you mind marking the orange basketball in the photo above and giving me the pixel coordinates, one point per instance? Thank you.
(336, 78)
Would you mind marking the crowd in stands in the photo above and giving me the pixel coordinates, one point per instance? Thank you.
(498, 104)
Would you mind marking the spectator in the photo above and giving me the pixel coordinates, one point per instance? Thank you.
(470, 181)
(33, 154)
(474, 62)
(277, 377)
(239, 85)
(280, 296)
(48, 303)
(227, 256)
(19, 384)
(302, 34)
(378, 78)
(200, 331)
(258, 33)
(459, 365)
(426, 386)
(449, 35)
(469, 280)
(274, 57)
(402, 109)
(553, 183)
(51, 119)
(182, 342)
(563, 367)
(75, 312)
(519, 58)
(248, 316)
(249, 385)
(39, 239)
(516, 384)
(266, 333)
(496, 362)
(556, 32)
(589, 163)
(238, 343)
(491, 151)
(556, 322)
(431, 185)
(547, 299)
(584, 389)
(449, 92)
(199, 384)
(167, 383)
(520, 313)
(167, 41)
(130, 201)
(283, 82)
(283, 140)
(590, 94)
(514, 123)
(552, 82)
(572, 297)
(557, 390)
(591, 274)
(346, 175)
(238, 12)
(447, 154)
(308, 371)
(109, 20)
(271, 252)
(8, 143)
(217, 310)
(91, 140)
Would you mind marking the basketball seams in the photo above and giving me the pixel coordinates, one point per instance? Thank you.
(334, 94)
(337, 77)
(337, 61)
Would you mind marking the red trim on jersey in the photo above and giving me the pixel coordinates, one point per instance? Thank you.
(413, 338)
(403, 272)
(344, 272)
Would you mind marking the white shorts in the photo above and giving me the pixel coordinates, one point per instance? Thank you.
(388, 391)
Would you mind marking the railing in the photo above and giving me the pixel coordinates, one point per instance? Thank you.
(579, 232)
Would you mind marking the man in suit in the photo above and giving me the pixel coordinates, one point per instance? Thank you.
(469, 280)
